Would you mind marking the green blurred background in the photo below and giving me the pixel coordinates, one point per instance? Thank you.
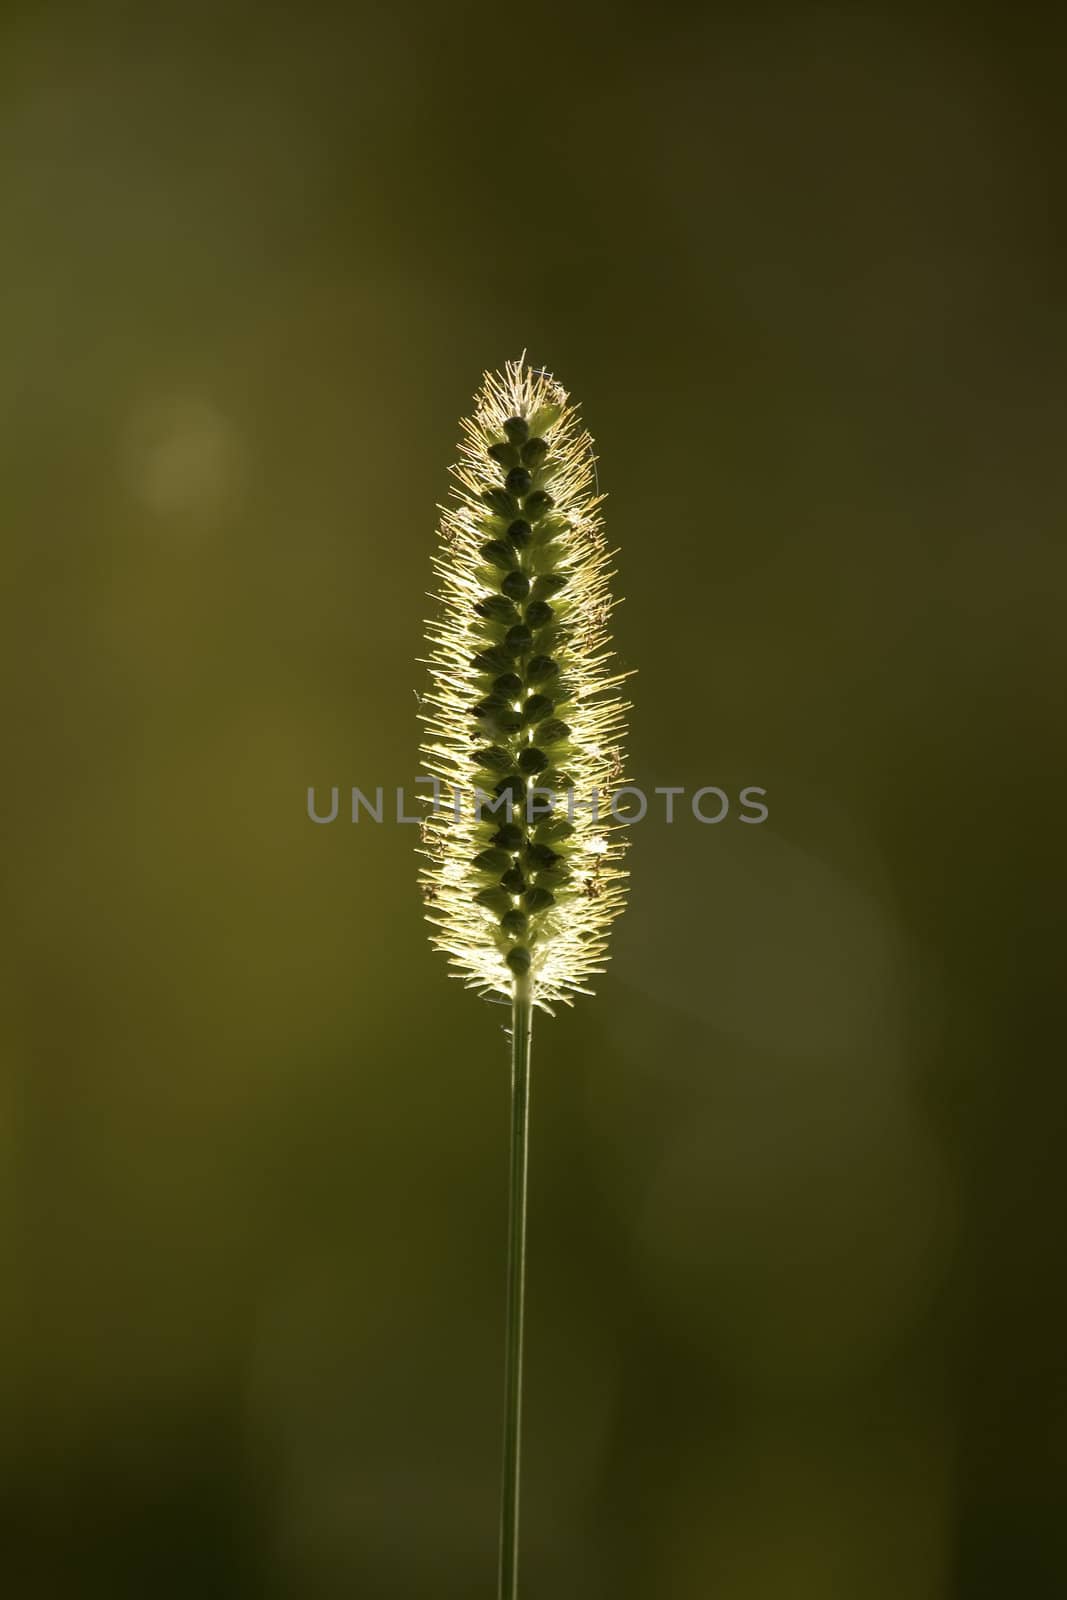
(797, 1320)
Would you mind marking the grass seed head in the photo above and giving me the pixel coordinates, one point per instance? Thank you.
(523, 702)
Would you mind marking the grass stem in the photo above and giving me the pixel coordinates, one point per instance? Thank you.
(521, 1029)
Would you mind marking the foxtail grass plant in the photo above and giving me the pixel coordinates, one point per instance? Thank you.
(524, 705)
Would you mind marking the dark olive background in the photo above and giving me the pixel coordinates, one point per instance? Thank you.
(796, 1320)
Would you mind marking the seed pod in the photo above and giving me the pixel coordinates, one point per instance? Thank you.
(497, 901)
(542, 543)
(494, 861)
(500, 502)
(518, 639)
(496, 551)
(537, 707)
(538, 899)
(548, 584)
(494, 758)
(489, 707)
(497, 608)
(554, 877)
(535, 505)
(538, 855)
(553, 828)
(540, 668)
(496, 659)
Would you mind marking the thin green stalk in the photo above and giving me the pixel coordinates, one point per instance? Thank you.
(521, 1029)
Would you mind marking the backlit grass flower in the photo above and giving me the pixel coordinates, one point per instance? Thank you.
(524, 702)
(524, 721)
